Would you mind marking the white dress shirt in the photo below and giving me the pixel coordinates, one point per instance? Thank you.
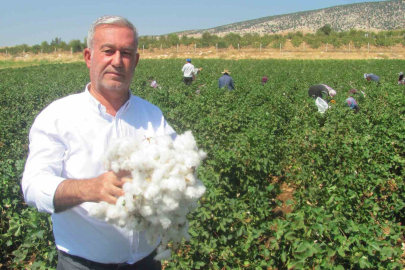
(67, 141)
(188, 70)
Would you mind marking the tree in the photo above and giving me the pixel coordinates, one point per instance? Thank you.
(76, 45)
(55, 42)
(326, 29)
(173, 40)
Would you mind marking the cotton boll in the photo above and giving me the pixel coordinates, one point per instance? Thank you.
(190, 179)
(153, 220)
(158, 175)
(146, 210)
(179, 157)
(127, 187)
(164, 186)
(202, 154)
(151, 192)
(191, 193)
(170, 204)
(123, 215)
(165, 255)
(165, 222)
(177, 195)
(133, 188)
(200, 187)
(158, 198)
(112, 212)
(153, 152)
(120, 202)
(165, 142)
(181, 211)
(175, 183)
(99, 210)
(115, 166)
(129, 203)
(127, 165)
(165, 155)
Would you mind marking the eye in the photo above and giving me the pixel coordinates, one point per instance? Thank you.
(108, 51)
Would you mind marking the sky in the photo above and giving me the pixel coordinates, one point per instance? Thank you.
(32, 22)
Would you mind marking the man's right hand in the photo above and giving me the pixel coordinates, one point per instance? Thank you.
(105, 187)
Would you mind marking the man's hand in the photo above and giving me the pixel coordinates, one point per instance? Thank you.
(106, 187)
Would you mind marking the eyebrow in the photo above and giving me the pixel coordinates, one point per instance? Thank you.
(108, 45)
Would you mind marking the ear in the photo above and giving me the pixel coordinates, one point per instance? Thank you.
(87, 56)
(136, 59)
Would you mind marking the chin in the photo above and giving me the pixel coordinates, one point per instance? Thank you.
(115, 87)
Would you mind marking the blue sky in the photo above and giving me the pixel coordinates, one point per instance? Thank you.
(31, 22)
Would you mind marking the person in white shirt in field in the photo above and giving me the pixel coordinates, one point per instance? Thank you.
(188, 72)
(64, 174)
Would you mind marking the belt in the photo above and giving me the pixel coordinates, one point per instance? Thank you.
(97, 265)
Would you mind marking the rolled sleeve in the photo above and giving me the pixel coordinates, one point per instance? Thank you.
(43, 169)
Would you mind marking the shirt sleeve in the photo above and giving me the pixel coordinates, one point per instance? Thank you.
(43, 169)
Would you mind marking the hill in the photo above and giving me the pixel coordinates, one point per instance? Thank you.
(369, 16)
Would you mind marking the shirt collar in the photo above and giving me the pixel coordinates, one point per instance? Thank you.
(100, 109)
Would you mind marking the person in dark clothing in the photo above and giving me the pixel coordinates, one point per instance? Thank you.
(371, 77)
(226, 80)
(318, 90)
(401, 79)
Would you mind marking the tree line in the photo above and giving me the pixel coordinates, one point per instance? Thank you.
(324, 35)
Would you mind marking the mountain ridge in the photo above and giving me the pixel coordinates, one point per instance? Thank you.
(369, 16)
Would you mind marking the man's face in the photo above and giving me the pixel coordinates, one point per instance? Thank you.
(113, 59)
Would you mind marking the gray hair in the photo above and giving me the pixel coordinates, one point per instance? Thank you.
(112, 20)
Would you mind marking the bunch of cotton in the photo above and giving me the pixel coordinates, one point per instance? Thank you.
(163, 190)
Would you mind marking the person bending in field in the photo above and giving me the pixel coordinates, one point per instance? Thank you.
(371, 77)
(226, 80)
(322, 91)
(64, 174)
(264, 80)
(401, 79)
(351, 102)
(188, 72)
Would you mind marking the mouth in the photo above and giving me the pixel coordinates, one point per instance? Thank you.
(114, 74)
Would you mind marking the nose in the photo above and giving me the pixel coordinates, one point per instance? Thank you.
(117, 59)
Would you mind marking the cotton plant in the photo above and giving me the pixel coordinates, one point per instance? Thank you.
(163, 190)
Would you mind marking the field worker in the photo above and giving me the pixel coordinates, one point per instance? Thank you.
(371, 77)
(188, 71)
(226, 80)
(264, 80)
(401, 79)
(351, 102)
(64, 174)
(321, 91)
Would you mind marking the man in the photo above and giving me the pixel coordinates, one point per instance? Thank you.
(64, 173)
(371, 77)
(188, 72)
(226, 80)
(321, 91)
